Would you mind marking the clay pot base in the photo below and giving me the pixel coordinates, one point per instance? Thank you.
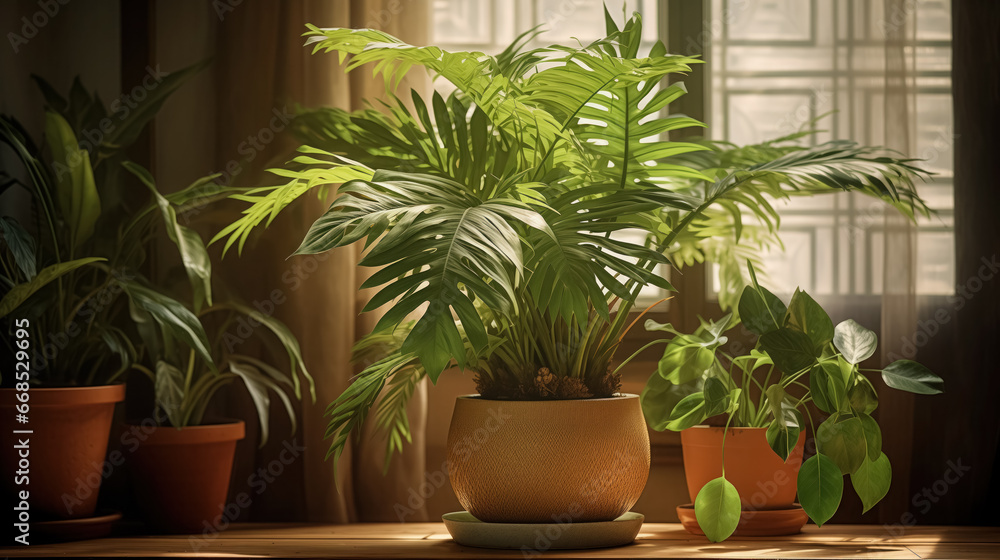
(761, 523)
(64, 530)
(469, 531)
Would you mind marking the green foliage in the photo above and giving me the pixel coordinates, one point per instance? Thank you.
(717, 508)
(80, 267)
(799, 358)
(495, 214)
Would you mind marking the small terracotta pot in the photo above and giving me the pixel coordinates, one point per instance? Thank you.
(544, 461)
(762, 479)
(66, 448)
(180, 476)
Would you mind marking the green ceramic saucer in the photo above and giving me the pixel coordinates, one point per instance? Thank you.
(539, 537)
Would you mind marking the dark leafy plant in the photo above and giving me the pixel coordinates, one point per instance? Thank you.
(498, 215)
(800, 357)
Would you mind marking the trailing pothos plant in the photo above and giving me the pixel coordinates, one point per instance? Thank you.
(799, 358)
(498, 216)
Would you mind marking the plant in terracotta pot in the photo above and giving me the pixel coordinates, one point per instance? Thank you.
(498, 220)
(71, 268)
(748, 465)
(181, 463)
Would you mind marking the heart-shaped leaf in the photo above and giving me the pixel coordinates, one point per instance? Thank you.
(842, 439)
(872, 480)
(826, 386)
(907, 375)
(791, 350)
(760, 310)
(821, 486)
(807, 316)
(855, 342)
(717, 509)
(873, 436)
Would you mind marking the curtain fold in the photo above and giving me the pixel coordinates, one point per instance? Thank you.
(899, 286)
(262, 71)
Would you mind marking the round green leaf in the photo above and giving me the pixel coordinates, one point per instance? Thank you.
(842, 439)
(717, 509)
(907, 375)
(855, 342)
(871, 481)
(821, 486)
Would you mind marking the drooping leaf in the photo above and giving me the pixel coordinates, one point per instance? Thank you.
(826, 385)
(194, 257)
(872, 480)
(171, 316)
(821, 486)
(873, 436)
(842, 439)
(717, 509)
(907, 375)
(16, 296)
(862, 397)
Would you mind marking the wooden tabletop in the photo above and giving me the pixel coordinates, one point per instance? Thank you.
(430, 540)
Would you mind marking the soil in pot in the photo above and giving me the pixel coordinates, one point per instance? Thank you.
(65, 449)
(180, 476)
(540, 461)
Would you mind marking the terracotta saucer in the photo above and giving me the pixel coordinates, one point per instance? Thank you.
(761, 523)
(76, 529)
(469, 531)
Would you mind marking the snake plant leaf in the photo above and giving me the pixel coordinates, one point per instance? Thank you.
(192, 250)
(76, 191)
(842, 439)
(821, 486)
(21, 245)
(855, 343)
(717, 509)
(19, 293)
(791, 350)
(872, 480)
(807, 316)
(907, 375)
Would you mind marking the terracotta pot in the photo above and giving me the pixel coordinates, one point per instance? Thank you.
(66, 448)
(544, 461)
(180, 477)
(762, 479)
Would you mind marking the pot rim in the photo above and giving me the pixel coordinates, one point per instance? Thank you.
(67, 396)
(229, 430)
(615, 397)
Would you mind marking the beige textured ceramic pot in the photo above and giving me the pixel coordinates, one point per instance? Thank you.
(544, 461)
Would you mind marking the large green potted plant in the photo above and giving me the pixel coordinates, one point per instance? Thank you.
(181, 462)
(744, 470)
(494, 218)
(71, 272)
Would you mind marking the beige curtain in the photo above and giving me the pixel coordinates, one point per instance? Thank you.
(261, 71)
(899, 286)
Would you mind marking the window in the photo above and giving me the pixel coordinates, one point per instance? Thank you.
(774, 66)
